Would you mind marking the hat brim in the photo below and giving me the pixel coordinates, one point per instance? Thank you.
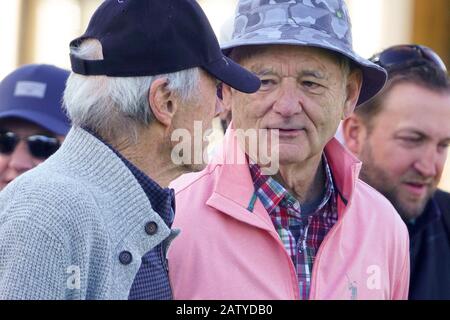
(49, 123)
(234, 75)
(374, 76)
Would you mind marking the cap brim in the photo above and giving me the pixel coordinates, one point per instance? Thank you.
(53, 125)
(374, 76)
(232, 74)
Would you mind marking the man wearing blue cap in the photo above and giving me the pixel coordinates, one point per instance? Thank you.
(94, 221)
(32, 121)
(311, 229)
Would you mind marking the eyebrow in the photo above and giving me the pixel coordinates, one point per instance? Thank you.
(260, 70)
(420, 134)
(412, 131)
(304, 73)
(313, 73)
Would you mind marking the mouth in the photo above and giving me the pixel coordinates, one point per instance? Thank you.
(416, 189)
(288, 132)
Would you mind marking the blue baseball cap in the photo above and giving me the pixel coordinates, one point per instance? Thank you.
(34, 93)
(153, 37)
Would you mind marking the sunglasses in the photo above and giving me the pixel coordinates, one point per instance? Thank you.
(40, 146)
(407, 56)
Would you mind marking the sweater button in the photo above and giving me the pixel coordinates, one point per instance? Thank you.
(125, 257)
(151, 228)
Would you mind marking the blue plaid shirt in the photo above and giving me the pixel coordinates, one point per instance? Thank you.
(152, 280)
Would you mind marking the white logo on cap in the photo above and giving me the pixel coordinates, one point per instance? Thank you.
(30, 89)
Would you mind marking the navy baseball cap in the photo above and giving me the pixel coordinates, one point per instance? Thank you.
(152, 37)
(34, 93)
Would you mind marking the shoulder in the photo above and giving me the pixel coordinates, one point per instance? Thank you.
(192, 192)
(192, 181)
(443, 200)
(371, 195)
(46, 185)
(442, 196)
(57, 204)
(374, 207)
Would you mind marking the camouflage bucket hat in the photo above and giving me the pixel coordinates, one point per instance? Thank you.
(317, 23)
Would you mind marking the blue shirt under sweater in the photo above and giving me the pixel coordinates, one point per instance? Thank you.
(152, 280)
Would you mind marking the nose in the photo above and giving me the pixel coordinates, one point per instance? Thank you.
(21, 160)
(288, 102)
(428, 162)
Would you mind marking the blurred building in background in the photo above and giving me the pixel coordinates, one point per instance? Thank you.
(39, 31)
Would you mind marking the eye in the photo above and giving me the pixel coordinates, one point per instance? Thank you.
(310, 84)
(267, 83)
(411, 141)
(443, 146)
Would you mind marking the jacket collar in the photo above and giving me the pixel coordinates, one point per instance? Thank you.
(234, 190)
(123, 204)
(345, 168)
(161, 199)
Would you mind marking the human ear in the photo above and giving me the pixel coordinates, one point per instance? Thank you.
(354, 132)
(226, 94)
(162, 101)
(353, 90)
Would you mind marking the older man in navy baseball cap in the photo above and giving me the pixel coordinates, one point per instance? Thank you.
(94, 221)
(32, 121)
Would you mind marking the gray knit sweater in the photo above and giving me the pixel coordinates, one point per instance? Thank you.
(64, 225)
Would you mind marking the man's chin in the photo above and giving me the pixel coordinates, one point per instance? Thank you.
(411, 211)
(290, 157)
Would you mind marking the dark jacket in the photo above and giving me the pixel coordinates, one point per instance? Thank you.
(430, 250)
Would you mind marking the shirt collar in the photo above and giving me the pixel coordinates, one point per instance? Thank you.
(271, 192)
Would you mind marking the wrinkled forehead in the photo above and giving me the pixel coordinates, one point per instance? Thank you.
(286, 57)
(242, 53)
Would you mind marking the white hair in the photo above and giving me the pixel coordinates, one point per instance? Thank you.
(116, 106)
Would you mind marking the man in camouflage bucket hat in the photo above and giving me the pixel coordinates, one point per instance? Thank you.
(317, 23)
(313, 230)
